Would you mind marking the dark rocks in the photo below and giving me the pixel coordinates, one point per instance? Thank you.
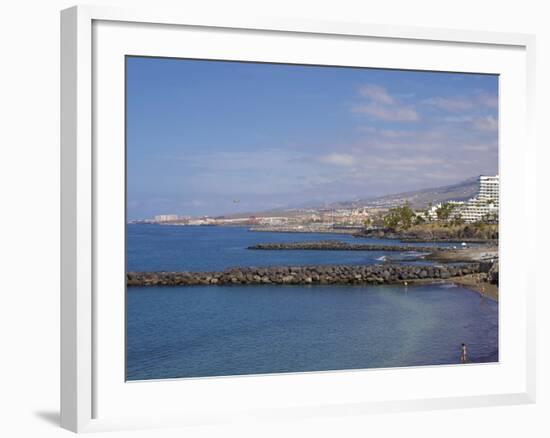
(471, 233)
(485, 266)
(336, 245)
(492, 274)
(333, 274)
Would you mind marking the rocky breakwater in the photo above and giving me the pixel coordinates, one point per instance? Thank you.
(304, 275)
(492, 275)
(336, 245)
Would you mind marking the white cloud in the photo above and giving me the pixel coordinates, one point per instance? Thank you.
(413, 162)
(454, 104)
(383, 106)
(457, 119)
(377, 94)
(478, 147)
(460, 103)
(489, 100)
(369, 129)
(488, 123)
(392, 133)
(392, 113)
(345, 160)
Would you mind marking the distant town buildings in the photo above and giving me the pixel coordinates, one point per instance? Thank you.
(166, 217)
(273, 220)
(431, 213)
(483, 207)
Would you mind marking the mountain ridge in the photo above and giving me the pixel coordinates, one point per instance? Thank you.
(460, 191)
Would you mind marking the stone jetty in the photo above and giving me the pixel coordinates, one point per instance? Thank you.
(336, 245)
(303, 275)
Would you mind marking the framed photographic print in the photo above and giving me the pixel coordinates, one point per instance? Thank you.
(278, 218)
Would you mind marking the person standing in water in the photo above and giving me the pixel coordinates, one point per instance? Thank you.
(463, 353)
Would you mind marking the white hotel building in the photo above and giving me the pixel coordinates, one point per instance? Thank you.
(485, 204)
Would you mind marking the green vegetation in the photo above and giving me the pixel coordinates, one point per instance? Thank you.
(426, 213)
(399, 217)
(457, 220)
(449, 224)
(444, 211)
(453, 230)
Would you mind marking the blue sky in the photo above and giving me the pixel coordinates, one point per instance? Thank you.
(203, 133)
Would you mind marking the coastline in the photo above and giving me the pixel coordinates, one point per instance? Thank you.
(471, 282)
(476, 283)
(358, 233)
(465, 255)
(352, 231)
(336, 245)
(473, 267)
(306, 275)
(487, 256)
(304, 230)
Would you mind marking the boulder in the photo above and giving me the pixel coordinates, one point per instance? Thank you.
(492, 275)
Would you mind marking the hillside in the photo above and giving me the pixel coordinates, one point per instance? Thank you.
(461, 191)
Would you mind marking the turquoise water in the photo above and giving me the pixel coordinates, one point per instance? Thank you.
(233, 330)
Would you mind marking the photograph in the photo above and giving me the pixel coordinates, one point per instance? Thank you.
(291, 218)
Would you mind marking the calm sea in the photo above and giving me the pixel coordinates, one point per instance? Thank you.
(232, 330)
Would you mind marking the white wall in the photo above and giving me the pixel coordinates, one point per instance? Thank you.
(29, 180)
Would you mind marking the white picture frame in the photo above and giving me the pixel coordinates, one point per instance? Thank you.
(93, 396)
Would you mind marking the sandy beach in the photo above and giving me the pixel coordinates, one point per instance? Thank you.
(470, 254)
(477, 283)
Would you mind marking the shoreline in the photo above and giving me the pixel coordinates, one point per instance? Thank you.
(469, 282)
(352, 231)
(337, 245)
(306, 230)
(305, 275)
(405, 238)
(472, 282)
(478, 269)
(464, 255)
(475, 283)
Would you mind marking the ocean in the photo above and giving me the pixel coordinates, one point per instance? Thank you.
(199, 331)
